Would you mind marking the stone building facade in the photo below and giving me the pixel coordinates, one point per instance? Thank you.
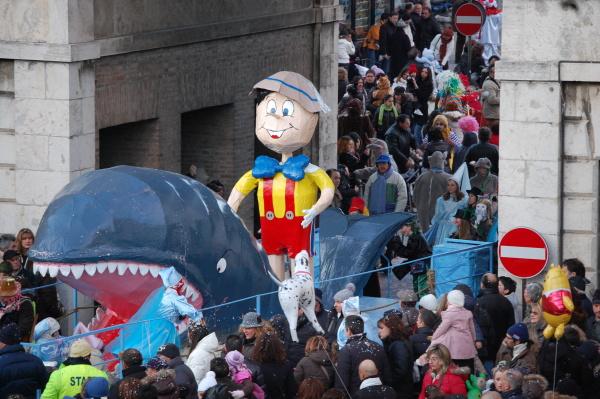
(88, 84)
(550, 124)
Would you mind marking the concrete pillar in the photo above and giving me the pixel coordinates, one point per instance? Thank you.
(326, 37)
(55, 136)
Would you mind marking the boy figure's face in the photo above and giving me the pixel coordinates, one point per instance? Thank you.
(283, 125)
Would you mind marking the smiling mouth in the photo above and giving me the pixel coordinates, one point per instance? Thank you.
(275, 134)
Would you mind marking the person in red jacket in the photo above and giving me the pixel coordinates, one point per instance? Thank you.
(441, 373)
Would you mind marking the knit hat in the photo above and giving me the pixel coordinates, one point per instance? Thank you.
(6, 268)
(344, 294)
(235, 360)
(9, 254)
(9, 334)
(156, 363)
(383, 158)
(456, 298)
(251, 320)
(483, 163)
(436, 160)
(169, 350)
(80, 348)
(95, 388)
(428, 302)
(534, 290)
(518, 332)
(45, 328)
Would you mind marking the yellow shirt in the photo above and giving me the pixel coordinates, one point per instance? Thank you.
(273, 191)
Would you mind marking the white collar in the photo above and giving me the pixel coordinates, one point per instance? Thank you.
(370, 382)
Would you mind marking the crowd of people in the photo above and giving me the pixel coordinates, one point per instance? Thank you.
(456, 346)
(418, 131)
(410, 119)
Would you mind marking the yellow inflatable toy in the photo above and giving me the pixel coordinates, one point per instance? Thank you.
(557, 302)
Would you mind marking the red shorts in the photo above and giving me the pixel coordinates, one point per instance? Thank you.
(281, 236)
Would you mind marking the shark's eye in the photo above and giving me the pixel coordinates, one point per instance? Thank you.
(221, 265)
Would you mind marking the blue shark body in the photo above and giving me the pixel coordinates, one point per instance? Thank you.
(109, 232)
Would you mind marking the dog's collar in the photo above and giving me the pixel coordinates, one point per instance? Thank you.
(302, 272)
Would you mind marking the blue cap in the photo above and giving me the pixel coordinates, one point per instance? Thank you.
(518, 332)
(96, 387)
(383, 158)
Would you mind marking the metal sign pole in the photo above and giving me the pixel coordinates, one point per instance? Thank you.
(469, 50)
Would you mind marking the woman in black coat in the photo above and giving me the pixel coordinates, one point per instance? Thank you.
(278, 372)
(398, 50)
(398, 351)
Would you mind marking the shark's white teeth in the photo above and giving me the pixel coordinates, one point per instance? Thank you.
(101, 267)
(144, 270)
(43, 269)
(188, 291)
(112, 266)
(133, 268)
(154, 271)
(77, 271)
(121, 269)
(65, 270)
(52, 270)
(90, 268)
(194, 296)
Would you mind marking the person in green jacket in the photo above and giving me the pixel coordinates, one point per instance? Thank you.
(72, 374)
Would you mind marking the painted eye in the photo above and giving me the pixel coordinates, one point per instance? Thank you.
(288, 108)
(271, 107)
(221, 265)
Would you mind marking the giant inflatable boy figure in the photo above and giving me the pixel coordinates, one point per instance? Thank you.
(286, 116)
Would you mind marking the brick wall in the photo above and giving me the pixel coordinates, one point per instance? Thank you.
(166, 83)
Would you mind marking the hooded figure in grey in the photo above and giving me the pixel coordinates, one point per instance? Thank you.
(428, 187)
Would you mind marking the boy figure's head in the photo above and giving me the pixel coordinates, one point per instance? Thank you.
(287, 111)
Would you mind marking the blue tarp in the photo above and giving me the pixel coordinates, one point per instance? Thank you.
(460, 268)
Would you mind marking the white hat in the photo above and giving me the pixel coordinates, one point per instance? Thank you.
(428, 302)
(170, 277)
(456, 298)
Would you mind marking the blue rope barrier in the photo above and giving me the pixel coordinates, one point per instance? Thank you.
(258, 296)
(33, 289)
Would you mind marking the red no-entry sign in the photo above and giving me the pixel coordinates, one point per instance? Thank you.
(468, 18)
(523, 252)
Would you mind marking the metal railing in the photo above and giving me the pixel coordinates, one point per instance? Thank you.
(489, 246)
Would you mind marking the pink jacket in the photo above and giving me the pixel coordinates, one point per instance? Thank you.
(457, 333)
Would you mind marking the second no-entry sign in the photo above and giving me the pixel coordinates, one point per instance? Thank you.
(468, 18)
(523, 252)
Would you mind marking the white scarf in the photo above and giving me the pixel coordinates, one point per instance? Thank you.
(370, 382)
(518, 350)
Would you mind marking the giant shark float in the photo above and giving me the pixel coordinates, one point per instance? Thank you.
(110, 232)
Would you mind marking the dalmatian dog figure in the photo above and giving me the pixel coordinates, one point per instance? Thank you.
(299, 292)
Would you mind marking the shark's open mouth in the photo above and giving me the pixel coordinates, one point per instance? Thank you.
(121, 286)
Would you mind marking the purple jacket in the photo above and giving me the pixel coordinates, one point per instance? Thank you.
(457, 333)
